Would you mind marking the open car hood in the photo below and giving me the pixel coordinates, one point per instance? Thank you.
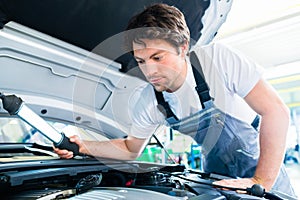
(55, 55)
(62, 59)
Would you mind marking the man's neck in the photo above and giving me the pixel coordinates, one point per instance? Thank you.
(181, 79)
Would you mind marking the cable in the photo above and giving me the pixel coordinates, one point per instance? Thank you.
(210, 184)
(256, 189)
(163, 147)
(88, 182)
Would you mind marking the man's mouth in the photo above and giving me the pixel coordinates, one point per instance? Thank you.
(155, 80)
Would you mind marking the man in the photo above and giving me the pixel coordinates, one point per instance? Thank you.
(217, 115)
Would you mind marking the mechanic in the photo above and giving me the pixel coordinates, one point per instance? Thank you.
(218, 116)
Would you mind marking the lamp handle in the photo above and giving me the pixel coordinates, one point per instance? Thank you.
(66, 144)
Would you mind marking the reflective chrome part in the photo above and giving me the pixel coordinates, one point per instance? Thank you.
(58, 195)
(117, 193)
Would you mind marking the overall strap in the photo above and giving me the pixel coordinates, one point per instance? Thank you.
(201, 88)
(163, 106)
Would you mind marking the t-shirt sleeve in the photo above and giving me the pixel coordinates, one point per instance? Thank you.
(240, 72)
(143, 114)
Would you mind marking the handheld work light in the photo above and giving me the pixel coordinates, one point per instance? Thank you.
(15, 106)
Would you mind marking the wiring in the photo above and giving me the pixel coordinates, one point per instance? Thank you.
(255, 190)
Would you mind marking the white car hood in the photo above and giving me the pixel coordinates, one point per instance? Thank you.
(61, 81)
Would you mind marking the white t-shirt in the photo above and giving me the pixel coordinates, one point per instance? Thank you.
(229, 76)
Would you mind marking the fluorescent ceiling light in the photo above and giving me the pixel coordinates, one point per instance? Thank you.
(248, 14)
(283, 70)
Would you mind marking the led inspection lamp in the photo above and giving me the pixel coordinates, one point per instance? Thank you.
(15, 106)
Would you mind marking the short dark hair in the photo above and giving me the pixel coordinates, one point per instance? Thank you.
(158, 21)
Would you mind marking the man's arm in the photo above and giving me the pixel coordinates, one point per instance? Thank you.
(273, 131)
(121, 149)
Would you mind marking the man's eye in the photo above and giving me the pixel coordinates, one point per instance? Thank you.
(140, 61)
(157, 58)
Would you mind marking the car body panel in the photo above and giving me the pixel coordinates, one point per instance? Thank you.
(66, 82)
(63, 72)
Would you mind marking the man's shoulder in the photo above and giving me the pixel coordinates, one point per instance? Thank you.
(142, 93)
(144, 88)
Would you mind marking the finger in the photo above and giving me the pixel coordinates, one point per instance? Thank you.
(67, 155)
(75, 139)
(62, 151)
(72, 139)
(220, 183)
(232, 183)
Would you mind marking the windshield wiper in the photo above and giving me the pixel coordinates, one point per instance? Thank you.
(34, 148)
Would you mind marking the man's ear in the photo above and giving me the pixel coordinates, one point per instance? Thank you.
(184, 48)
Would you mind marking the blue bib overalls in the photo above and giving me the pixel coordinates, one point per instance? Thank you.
(229, 146)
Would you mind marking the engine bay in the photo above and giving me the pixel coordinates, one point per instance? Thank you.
(70, 179)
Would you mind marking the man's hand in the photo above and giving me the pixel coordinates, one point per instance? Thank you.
(66, 154)
(120, 149)
(238, 183)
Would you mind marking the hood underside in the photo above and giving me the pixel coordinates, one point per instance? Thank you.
(62, 57)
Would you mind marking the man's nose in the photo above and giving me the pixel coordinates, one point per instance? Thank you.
(150, 68)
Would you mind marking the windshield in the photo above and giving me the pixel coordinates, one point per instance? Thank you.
(14, 130)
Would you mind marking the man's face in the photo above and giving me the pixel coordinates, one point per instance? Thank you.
(161, 64)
